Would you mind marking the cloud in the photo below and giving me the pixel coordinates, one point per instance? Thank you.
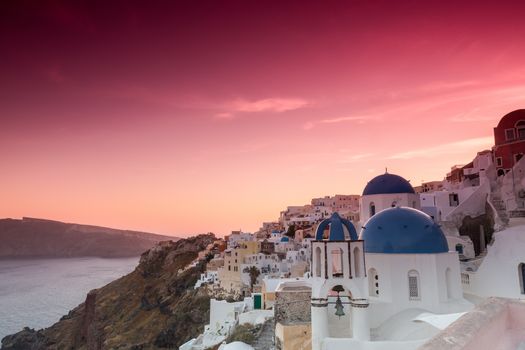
(273, 105)
(474, 115)
(268, 105)
(355, 157)
(360, 119)
(474, 144)
(224, 115)
(441, 86)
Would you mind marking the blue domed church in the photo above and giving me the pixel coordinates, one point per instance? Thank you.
(409, 265)
(386, 191)
(388, 283)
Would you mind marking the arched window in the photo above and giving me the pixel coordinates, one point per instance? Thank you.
(448, 278)
(372, 209)
(394, 203)
(520, 126)
(318, 262)
(357, 262)
(521, 272)
(337, 262)
(413, 285)
(373, 283)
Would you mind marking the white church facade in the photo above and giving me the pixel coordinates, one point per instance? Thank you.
(379, 290)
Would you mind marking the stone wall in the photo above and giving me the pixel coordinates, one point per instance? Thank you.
(292, 306)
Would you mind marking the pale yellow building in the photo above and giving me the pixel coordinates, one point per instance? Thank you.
(230, 274)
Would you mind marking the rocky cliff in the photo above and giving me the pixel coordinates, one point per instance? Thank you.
(29, 238)
(153, 307)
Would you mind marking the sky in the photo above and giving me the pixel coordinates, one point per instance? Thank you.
(184, 117)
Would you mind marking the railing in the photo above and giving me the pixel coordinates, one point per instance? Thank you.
(465, 278)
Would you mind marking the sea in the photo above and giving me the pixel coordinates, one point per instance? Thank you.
(36, 293)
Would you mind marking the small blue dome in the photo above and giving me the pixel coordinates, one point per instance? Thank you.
(285, 239)
(403, 230)
(340, 229)
(387, 183)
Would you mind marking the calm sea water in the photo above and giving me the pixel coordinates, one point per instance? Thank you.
(36, 293)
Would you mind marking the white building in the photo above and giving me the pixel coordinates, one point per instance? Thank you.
(338, 276)
(386, 191)
(501, 272)
(207, 277)
(393, 288)
(409, 266)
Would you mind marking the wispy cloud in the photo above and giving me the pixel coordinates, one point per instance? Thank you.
(274, 105)
(474, 115)
(474, 144)
(269, 105)
(355, 157)
(360, 119)
(443, 86)
(224, 115)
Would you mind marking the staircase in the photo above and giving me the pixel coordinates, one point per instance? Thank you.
(265, 340)
(499, 206)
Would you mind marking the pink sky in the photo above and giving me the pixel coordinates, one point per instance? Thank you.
(189, 117)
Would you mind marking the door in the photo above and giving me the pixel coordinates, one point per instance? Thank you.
(257, 301)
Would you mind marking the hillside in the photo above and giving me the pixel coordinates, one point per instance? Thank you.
(153, 307)
(29, 238)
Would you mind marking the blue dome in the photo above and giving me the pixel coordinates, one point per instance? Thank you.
(387, 183)
(403, 230)
(340, 229)
(285, 239)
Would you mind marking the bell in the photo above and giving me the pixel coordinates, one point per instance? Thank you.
(339, 307)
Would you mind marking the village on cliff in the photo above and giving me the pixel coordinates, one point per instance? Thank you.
(441, 265)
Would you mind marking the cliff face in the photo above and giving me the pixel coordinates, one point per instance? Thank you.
(29, 238)
(153, 307)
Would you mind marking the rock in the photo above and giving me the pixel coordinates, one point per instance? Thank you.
(154, 306)
(27, 339)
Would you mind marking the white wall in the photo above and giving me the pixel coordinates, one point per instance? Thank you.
(345, 344)
(498, 274)
(223, 313)
(384, 201)
(392, 270)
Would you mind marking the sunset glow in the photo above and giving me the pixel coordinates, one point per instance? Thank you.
(188, 117)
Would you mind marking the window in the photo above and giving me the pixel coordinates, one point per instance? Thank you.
(510, 134)
(337, 262)
(448, 278)
(459, 248)
(517, 157)
(499, 161)
(453, 199)
(317, 262)
(413, 285)
(373, 283)
(372, 209)
(394, 203)
(521, 129)
(521, 272)
(357, 261)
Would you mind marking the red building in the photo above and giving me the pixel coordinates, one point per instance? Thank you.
(509, 141)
